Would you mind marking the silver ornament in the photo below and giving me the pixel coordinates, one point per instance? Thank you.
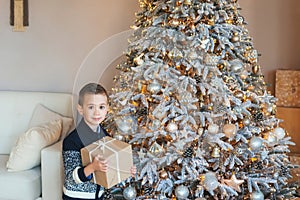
(172, 127)
(246, 121)
(182, 192)
(118, 136)
(129, 193)
(210, 181)
(255, 143)
(272, 139)
(213, 128)
(279, 133)
(154, 87)
(256, 195)
(126, 124)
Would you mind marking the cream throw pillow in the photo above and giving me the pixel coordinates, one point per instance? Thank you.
(26, 154)
(42, 115)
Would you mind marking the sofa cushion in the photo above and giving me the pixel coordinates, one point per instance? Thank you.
(42, 115)
(25, 185)
(26, 154)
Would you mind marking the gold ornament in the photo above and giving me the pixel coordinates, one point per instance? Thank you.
(156, 149)
(229, 130)
(216, 152)
(163, 174)
(234, 183)
(187, 2)
(255, 69)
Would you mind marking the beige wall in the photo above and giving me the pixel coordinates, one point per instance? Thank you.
(63, 33)
(274, 26)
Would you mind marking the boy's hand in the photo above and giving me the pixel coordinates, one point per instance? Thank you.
(133, 171)
(99, 164)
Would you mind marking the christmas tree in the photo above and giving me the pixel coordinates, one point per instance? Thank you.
(191, 99)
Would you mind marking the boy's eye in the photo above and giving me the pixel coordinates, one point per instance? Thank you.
(90, 107)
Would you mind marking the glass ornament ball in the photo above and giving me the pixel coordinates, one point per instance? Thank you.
(271, 138)
(279, 133)
(255, 143)
(210, 181)
(213, 128)
(118, 136)
(182, 192)
(229, 130)
(246, 121)
(172, 127)
(126, 124)
(256, 195)
(129, 193)
(154, 87)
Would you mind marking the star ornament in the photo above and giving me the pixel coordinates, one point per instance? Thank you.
(234, 183)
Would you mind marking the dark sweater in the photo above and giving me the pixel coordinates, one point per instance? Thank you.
(76, 185)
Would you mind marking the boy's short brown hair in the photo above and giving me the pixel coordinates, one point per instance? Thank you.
(91, 88)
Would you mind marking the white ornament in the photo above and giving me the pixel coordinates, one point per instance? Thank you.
(255, 143)
(129, 193)
(172, 127)
(126, 124)
(272, 139)
(154, 87)
(213, 128)
(279, 133)
(210, 181)
(257, 196)
(182, 192)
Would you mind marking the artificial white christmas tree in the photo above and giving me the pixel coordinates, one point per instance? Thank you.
(191, 99)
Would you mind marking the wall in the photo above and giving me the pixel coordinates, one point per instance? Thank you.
(61, 35)
(274, 26)
(55, 49)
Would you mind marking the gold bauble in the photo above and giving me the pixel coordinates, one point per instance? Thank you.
(229, 130)
(216, 152)
(239, 94)
(255, 69)
(163, 174)
(235, 38)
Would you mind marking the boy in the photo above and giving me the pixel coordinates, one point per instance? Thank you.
(93, 107)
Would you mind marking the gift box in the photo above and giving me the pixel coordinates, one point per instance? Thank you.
(291, 123)
(287, 88)
(119, 157)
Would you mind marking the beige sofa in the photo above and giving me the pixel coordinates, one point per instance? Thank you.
(24, 112)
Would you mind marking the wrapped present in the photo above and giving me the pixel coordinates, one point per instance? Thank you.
(119, 157)
(291, 119)
(287, 88)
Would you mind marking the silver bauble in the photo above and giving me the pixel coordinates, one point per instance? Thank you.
(172, 127)
(126, 124)
(246, 121)
(129, 193)
(272, 139)
(154, 87)
(279, 133)
(182, 192)
(257, 196)
(213, 128)
(210, 181)
(118, 136)
(255, 143)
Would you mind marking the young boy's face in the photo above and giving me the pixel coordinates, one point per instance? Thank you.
(94, 109)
